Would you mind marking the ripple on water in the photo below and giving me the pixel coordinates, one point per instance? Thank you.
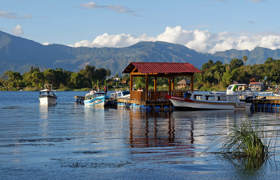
(78, 163)
(45, 140)
(11, 107)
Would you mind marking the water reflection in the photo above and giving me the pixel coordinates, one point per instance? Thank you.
(147, 131)
(43, 109)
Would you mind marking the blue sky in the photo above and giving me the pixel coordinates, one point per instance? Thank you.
(239, 24)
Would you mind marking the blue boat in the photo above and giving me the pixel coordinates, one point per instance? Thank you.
(96, 99)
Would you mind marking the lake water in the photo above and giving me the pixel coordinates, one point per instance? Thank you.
(70, 141)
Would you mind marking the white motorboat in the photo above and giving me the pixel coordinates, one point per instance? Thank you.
(207, 101)
(47, 97)
(96, 99)
(244, 92)
(120, 94)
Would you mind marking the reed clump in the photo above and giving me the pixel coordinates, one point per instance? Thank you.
(245, 141)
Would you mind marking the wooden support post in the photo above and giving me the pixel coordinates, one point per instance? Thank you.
(172, 84)
(155, 84)
(146, 87)
(169, 86)
(130, 83)
(192, 82)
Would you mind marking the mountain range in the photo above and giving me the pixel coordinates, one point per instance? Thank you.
(18, 54)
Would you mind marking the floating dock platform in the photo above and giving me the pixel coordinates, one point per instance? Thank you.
(158, 106)
(266, 104)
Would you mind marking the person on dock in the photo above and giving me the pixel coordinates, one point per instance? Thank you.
(105, 89)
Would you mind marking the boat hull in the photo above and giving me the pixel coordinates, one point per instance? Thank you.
(47, 100)
(200, 105)
(99, 101)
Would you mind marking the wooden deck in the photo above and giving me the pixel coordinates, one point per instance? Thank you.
(154, 100)
(267, 104)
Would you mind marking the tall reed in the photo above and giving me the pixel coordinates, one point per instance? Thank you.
(245, 141)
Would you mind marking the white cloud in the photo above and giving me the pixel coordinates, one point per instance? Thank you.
(199, 40)
(46, 43)
(10, 15)
(18, 30)
(116, 8)
(89, 5)
(114, 40)
(256, 1)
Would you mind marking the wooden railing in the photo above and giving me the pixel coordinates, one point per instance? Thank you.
(154, 96)
(137, 95)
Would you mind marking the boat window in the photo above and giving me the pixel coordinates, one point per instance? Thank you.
(229, 88)
(210, 98)
(198, 97)
(125, 93)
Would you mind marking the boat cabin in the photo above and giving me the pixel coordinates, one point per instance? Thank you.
(212, 96)
(92, 95)
(47, 92)
(235, 88)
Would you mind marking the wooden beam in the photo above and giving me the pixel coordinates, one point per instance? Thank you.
(146, 87)
(130, 82)
(143, 74)
(133, 70)
(169, 86)
(155, 84)
(192, 82)
(172, 84)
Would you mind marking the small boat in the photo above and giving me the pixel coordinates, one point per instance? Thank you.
(245, 93)
(96, 99)
(207, 101)
(47, 97)
(120, 94)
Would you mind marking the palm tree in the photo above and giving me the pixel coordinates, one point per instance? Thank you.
(245, 58)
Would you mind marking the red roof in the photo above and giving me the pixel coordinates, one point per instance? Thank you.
(161, 67)
(257, 83)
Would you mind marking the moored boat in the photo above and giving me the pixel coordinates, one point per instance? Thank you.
(245, 93)
(47, 97)
(96, 99)
(120, 94)
(207, 101)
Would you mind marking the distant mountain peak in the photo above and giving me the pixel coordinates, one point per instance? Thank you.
(18, 54)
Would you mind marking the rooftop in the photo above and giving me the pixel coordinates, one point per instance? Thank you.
(160, 67)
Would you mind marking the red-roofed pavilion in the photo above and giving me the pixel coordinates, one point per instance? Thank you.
(157, 69)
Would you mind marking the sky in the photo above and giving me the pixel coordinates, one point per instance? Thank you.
(203, 25)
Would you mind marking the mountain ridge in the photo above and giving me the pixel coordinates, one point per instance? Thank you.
(18, 54)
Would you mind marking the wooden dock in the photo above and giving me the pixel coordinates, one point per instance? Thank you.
(266, 104)
(163, 106)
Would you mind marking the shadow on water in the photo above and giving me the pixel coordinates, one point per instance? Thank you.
(11, 107)
(185, 130)
(155, 129)
(178, 132)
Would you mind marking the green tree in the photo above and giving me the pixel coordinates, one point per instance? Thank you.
(244, 58)
(235, 63)
(14, 79)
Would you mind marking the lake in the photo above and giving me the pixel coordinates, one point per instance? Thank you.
(70, 141)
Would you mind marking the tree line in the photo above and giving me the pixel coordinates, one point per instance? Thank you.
(35, 79)
(217, 76)
(213, 76)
